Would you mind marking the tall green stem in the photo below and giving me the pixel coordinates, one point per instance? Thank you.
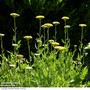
(15, 29)
(48, 39)
(14, 50)
(65, 30)
(81, 42)
(65, 22)
(81, 37)
(44, 40)
(44, 36)
(67, 34)
(55, 32)
(60, 57)
(29, 51)
(67, 37)
(1, 47)
(39, 28)
(61, 65)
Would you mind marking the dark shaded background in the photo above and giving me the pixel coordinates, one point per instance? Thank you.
(77, 10)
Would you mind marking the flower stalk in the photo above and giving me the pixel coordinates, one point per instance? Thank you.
(15, 29)
(27, 38)
(48, 26)
(29, 51)
(66, 28)
(39, 27)
(56, 23)
(1, 35)
(65, 18)
(81, 45)
(40, 17)
(14, 15)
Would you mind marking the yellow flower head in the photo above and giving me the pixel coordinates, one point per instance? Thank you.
(55, 43)
(55, 22)
(82, 25)
(65, 18)
(1, 35)
(67, 26)
(28, 37)
(12, 65)
(14, 15)
(43, 26)
(15, 45)
(60, 48)
(40, 17)
(48, 24)
(28, 68)
(19, 56)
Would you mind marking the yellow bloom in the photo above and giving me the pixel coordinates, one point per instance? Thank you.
(14, 45)
(65, 18)
(14, 15)
(59, 47)
(55, 22)
(40, 17)
(48, 24)
(82, 25)
(28, 37)
(55, 43)
(1, 35)
(67, 26)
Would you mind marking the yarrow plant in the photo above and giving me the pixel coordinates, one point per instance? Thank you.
(48, 26)
(56, 23)
(28, 38)
(14, 15)
(40, 17)
(44, 27)
(81, 45)
(55, 69)
(65, 18)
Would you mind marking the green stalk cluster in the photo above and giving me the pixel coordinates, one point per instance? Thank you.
(49, 71)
